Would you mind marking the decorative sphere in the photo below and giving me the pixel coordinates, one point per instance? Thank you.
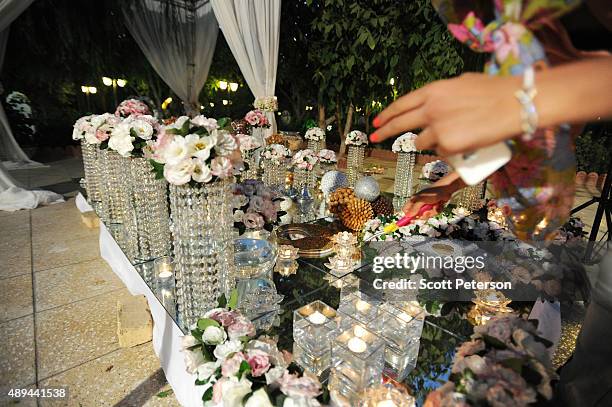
(333, 180)
(367, 188)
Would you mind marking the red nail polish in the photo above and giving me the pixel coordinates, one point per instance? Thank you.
(376, 122)
(374, 138)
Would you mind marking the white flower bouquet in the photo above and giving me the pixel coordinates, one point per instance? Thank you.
(404, 143)
(435, 170)
(276, 153)
(134, 136)
(315, 134)
(304, 160)
(238, 370)
(326, 156)
(195, 150)
(95, 129)
(356, 138)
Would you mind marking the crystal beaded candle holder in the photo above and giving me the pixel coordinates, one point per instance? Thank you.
(354, 164)
(404, 173)
(273, 174)
(314, 326)
(359, 306)
(357, 363)
(316, 145)
(304, 178)
(386, 395)
(249, 159)
(113, 188)
(92, 174)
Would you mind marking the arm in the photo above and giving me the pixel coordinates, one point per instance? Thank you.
(439, 191)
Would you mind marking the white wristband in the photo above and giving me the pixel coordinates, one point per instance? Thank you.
(525, 96)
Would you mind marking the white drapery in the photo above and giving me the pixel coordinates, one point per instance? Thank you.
(252, 30)
(178, 39)
(10, 153)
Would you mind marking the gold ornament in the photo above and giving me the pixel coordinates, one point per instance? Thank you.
(339, 199)
(382, 206)
(356, 213)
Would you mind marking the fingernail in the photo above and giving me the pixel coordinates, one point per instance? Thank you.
(376, 122)
(374, 138)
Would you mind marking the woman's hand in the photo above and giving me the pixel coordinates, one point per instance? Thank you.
(456, 115)
(438, 194)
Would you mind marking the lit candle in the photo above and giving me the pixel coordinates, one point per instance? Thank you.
(362, 306)
(357, 345)
(317, 318)
(165, 274)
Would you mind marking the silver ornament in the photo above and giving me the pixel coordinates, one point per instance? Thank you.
(367, 188)
(333, 180)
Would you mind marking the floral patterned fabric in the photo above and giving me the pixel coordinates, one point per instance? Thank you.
(537, 185)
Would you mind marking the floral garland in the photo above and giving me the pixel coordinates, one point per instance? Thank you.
(276, 153)
(255, 206)
(305, 160)
(266, 103)
(505, 363)
(404, 143)
(194, 151)
(132, 107)
(238, 370)
(356, 138)
(257, 118)
(326, 156)
(434, 170)
(315, 134)
(134, 136)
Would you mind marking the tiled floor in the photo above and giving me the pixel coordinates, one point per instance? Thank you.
(58, 309)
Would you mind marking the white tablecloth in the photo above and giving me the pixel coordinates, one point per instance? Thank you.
(166, 334)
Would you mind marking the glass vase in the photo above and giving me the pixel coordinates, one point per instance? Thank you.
(404, 173)
(273, 174)
(316, 145)
(92, 175)
(354, 163)
(203, 251)
(259, 134)
(304, 177)
(249, 160)
(114, 192)
(469, 197)
(148, 227)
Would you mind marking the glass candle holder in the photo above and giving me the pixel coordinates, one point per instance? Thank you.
(164, 269)
(340, 266)
(354, 163)
(314, 326)
(286, 268)
(357, 363)
(359, 307)
(386, 395)
(287, 252)
(404, 173)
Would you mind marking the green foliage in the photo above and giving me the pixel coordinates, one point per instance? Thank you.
(592, 152)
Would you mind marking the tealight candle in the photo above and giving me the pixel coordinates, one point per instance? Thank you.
(362, 306)
(317, 318)
(357, 345)
(165, 274)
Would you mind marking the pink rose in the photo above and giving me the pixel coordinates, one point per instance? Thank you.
(241, 327)
(257, 203)
(102, 135)
(225, 318)
(218, 390)
(259, 362)
(222, 167)
(299, 387)
(231, 366)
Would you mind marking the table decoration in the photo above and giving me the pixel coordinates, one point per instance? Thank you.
(356, 142)
(506, 363)
(470, 197)
(432, 172)
(258, 123)
(314, 326)
(487, 305)
(248, 146)
(286, 268)
(356, 213)
(288, 252)
(273, 163)
(84, 132)
(316, 139)
(331, 181)
(406, 160)
(255, 207)
(346, 245)
(367, 188)
(114, 189)
(326, 162)
(195, 161)
(360, 307)
(132, 107)
(303, 164)
(312, 240)
(164, 282)
(382, 206)
(357, 363)
(385, 395)
(340, 266)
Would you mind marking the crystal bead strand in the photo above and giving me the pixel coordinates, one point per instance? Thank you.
(90, 167)
(114, 197)
(404, 173)
(354, 164)
(316, 145)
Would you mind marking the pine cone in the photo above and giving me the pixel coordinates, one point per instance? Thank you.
(339, 199)
(356, 213)
(382, 206)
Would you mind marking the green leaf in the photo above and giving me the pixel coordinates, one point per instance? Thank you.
(233, 301)
(185, 128)
(371, 42)
(164, 394)
(245, 368)
(208, 394)
(224, 122)
(222, 301)
(206, 322)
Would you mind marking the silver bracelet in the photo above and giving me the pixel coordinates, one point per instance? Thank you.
(525, 96)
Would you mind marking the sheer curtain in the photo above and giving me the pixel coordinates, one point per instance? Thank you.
(10, 153)
(252, 29)
(178, 39)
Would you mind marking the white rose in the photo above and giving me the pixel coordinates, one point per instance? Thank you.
(214, 335)
(274, 374)
(188, 341)
(226, 144)
(259, 399)
(201, 172)
(238, 215)
(176, 152)
(178, 123)
(202, 121)
(90, 138)
(193, 359)
(121, 143)
(179, 174)
(222, 351)
(206, 370)
(234, 391)
(143, 129)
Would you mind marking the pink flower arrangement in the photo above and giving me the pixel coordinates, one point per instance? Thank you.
(132, 107)
(327, 156)
(257, 118)
(304, 160)
(255, 206)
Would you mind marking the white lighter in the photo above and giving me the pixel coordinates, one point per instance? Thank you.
(475, 166)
